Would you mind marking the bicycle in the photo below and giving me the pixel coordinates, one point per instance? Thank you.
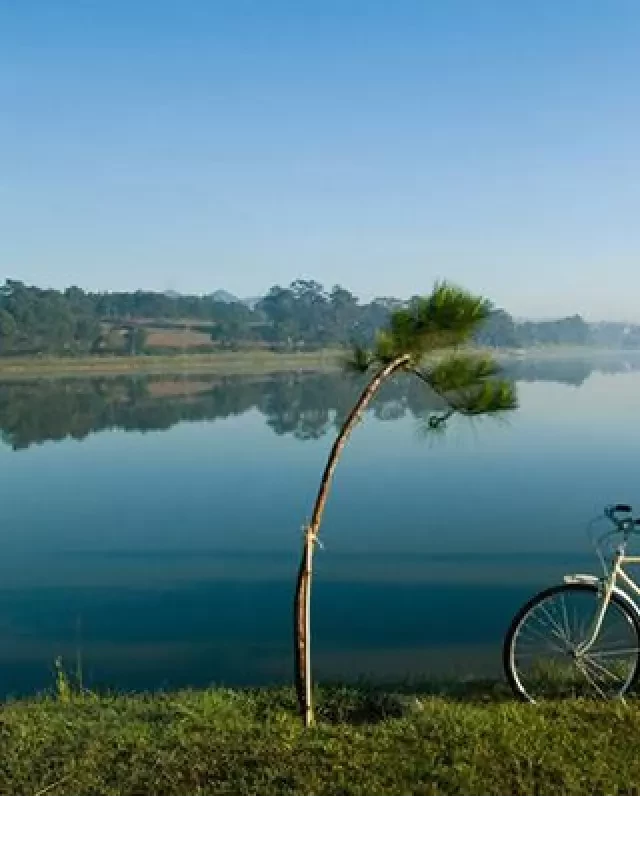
(581, 637)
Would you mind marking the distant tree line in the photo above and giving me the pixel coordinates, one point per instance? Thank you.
(302, 315)
(501, 330)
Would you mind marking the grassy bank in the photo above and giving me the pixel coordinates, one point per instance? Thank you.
(250, 742)
(228, 363)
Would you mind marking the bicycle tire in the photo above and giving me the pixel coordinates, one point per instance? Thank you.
(551, 689)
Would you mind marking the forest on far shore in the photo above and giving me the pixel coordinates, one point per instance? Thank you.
(304, 315)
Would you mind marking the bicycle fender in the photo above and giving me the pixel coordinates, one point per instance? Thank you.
(594, 581)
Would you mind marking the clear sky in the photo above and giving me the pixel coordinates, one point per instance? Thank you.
(196, 144)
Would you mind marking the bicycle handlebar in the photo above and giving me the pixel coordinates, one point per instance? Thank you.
(626, 525)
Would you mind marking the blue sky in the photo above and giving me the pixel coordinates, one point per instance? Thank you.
(195, 145)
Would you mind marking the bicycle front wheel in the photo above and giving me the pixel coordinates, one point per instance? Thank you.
(543, 656)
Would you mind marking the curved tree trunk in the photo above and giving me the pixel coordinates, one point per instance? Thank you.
(302, 610)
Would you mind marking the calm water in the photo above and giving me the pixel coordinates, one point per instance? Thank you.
(151, 527)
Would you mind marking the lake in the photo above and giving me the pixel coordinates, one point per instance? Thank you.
(151, 527)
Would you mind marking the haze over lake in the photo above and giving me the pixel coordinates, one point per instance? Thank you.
(151, 526)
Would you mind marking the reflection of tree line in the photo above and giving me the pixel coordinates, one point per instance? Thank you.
(303, 405)
(570, 371)
(306, 406)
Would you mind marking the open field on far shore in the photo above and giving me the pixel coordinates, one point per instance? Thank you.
(233, 363)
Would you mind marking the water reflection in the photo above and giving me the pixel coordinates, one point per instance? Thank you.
(304, 405)
(168, 559)
(574, 370)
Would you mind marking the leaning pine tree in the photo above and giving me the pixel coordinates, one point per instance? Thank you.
(423, 340)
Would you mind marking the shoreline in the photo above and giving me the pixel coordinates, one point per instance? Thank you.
(227, 364)
(238, 363)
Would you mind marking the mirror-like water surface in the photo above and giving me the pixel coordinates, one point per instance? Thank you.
(151, 526)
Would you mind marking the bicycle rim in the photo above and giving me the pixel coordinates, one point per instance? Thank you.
(543, 656)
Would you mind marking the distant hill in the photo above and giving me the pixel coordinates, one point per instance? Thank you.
(217, 296)
(232, 299)
(223, 296)
(251, 301)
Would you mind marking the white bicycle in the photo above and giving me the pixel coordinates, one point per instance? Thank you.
(582, 637)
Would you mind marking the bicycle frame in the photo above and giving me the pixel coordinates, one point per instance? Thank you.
(608, 585)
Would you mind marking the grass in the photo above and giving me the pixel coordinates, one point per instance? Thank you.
(227, 363)
(217, 741)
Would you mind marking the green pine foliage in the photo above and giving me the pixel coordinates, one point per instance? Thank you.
(430, 331)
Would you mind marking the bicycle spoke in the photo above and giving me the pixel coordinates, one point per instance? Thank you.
(601, 668)
(564, 615)
(555, 624)
(547, 640)
(604, 653)
(584, 671)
